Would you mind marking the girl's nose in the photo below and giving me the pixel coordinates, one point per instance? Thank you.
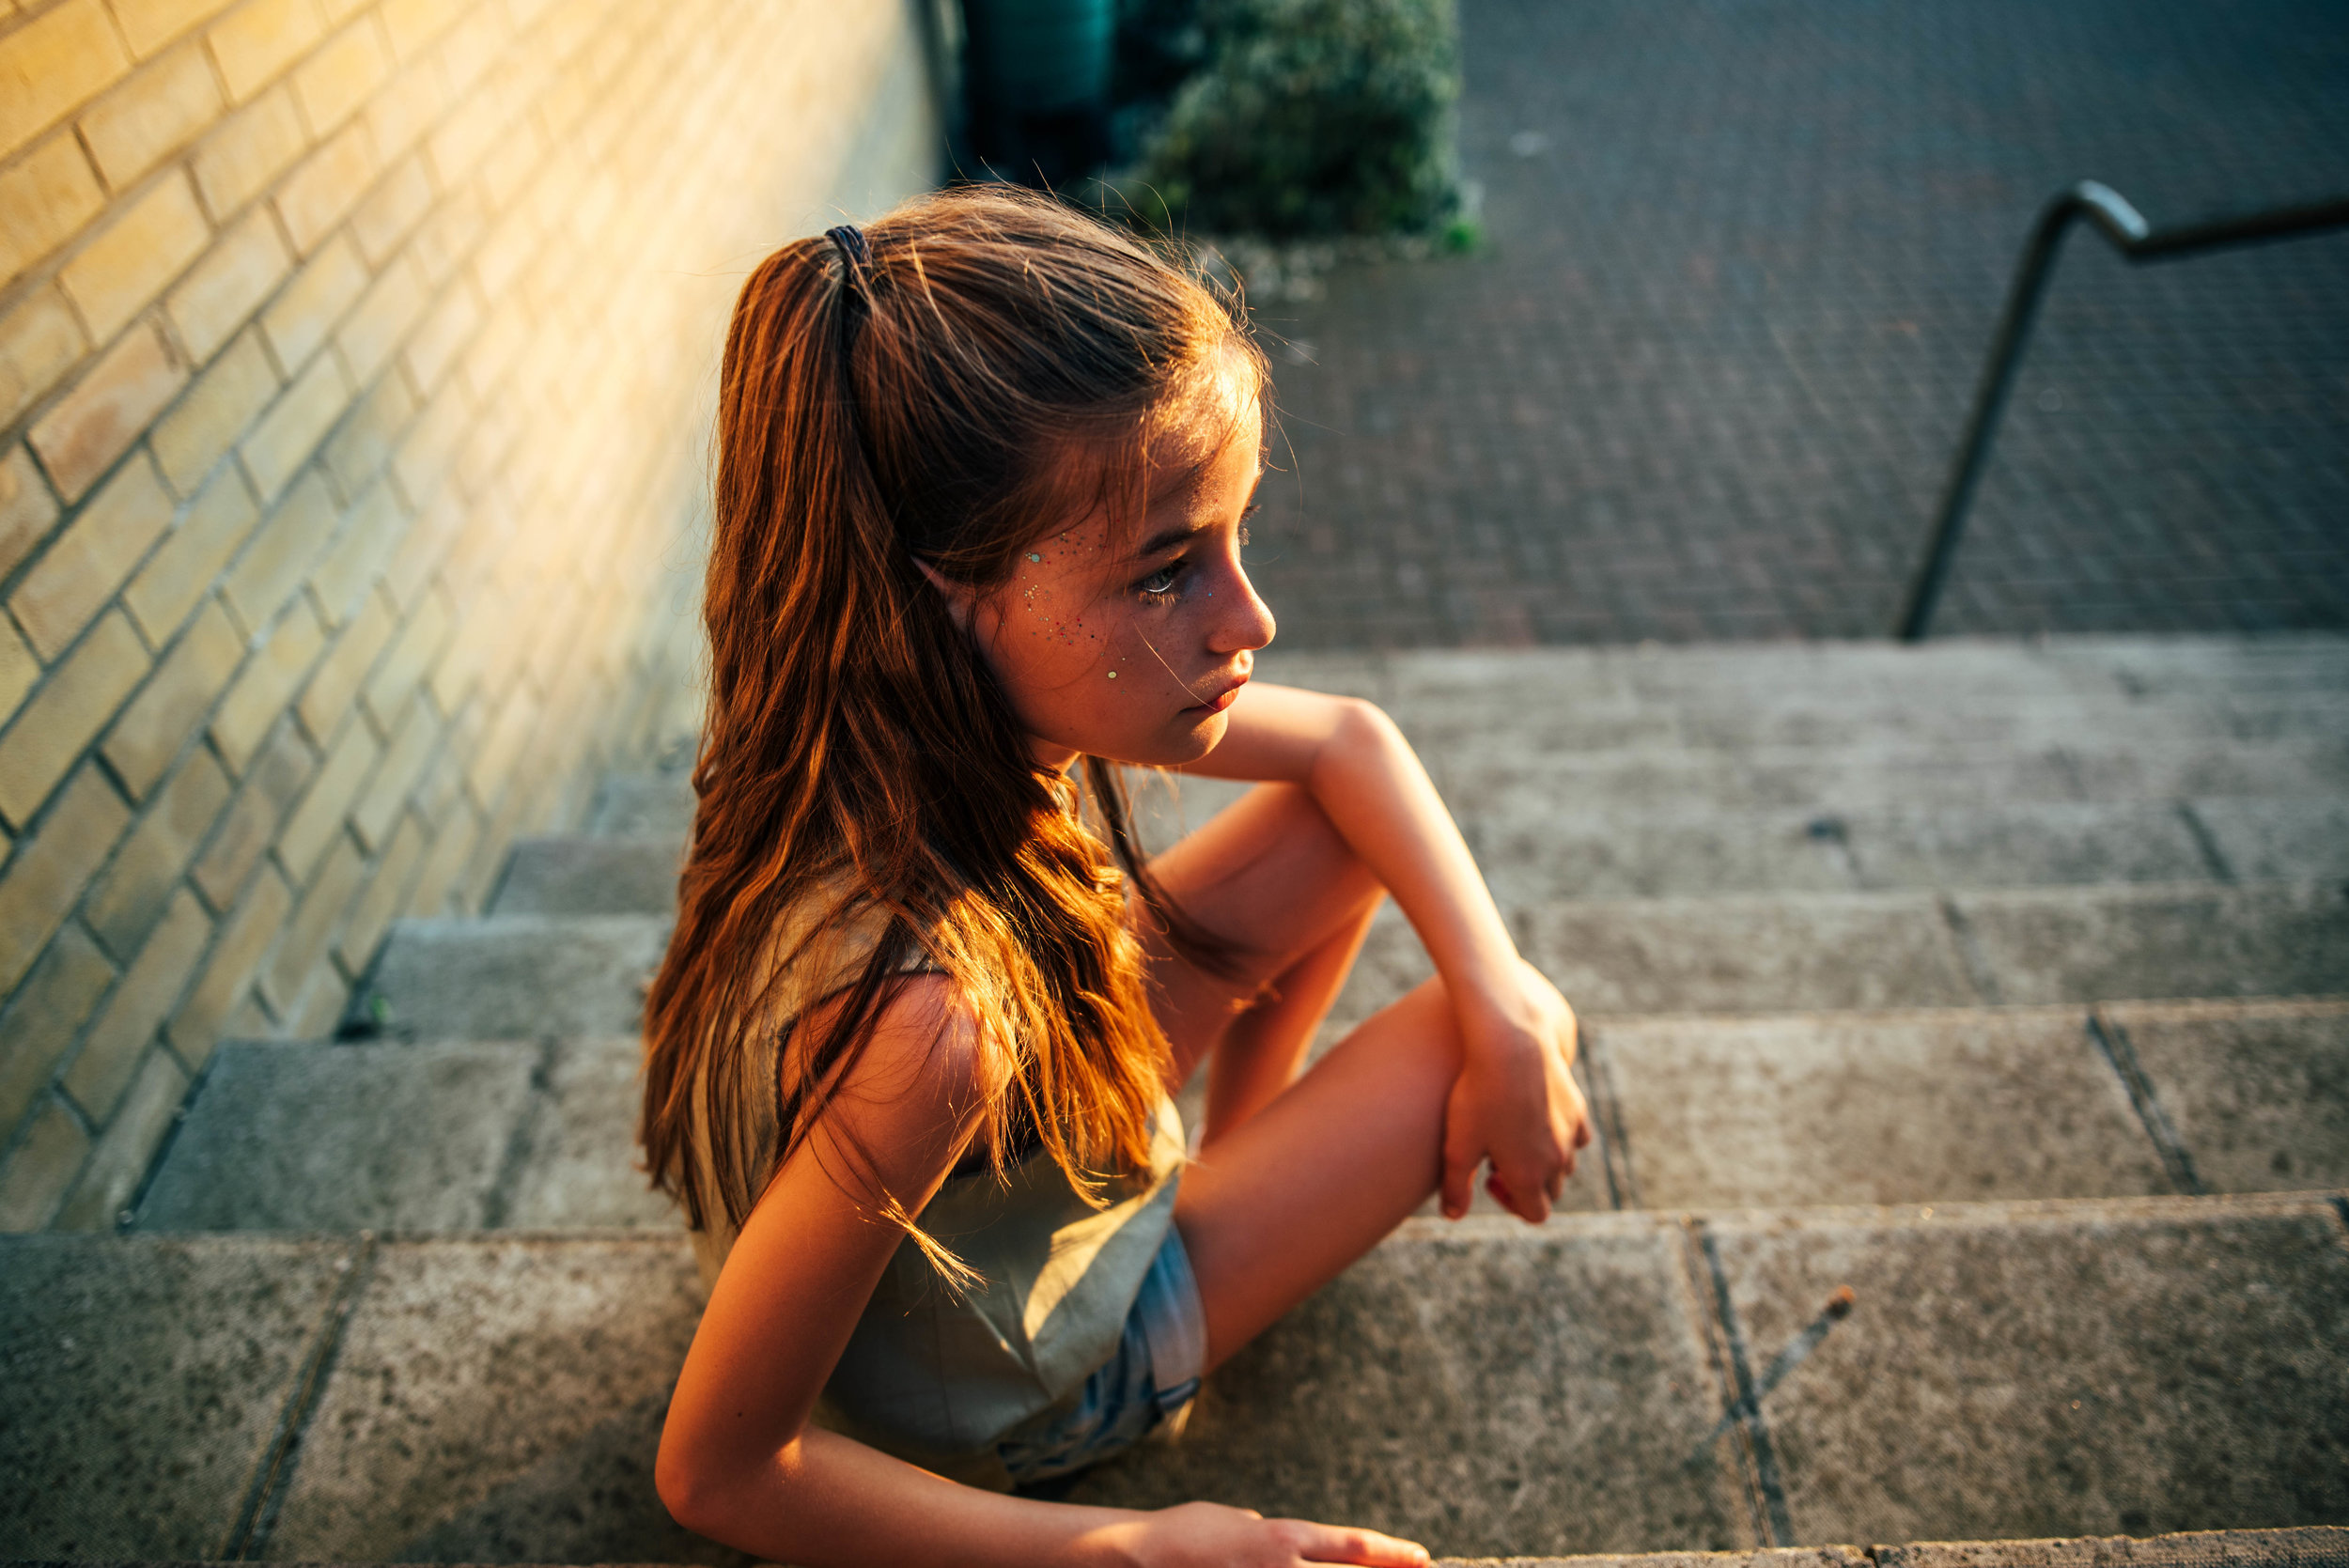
(1240, 620)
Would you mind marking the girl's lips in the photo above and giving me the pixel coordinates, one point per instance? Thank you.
(1223, 700)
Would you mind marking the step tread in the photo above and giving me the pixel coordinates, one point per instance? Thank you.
(459, 1419)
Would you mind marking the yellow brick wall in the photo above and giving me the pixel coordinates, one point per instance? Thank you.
(355, 366)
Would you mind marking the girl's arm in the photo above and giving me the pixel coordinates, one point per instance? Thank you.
(1516, 1101)
(739, 1461)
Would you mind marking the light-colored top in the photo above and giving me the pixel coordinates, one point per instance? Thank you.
(931, 1375)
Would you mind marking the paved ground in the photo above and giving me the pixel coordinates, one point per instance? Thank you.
(1745, 257)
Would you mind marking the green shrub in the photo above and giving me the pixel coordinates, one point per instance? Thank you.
(1311, 117)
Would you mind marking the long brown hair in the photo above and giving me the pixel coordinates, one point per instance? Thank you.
(992, 361)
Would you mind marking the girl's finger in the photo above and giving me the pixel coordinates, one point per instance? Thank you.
(1338, 1543)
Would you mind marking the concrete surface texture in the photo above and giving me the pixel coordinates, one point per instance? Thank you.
(2074, 1136)
(1742, 265)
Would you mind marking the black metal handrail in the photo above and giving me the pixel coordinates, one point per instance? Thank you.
(2135, 239)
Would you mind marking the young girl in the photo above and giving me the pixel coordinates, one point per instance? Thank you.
(983, 475)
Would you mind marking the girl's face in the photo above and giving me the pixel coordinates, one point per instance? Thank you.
(1132, 651)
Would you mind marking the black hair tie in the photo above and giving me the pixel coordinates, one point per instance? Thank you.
(854, 252)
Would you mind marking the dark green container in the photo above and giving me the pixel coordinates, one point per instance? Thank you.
(1030, 57)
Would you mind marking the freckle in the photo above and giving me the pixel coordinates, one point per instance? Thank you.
(1033, 556)
(1113, 674)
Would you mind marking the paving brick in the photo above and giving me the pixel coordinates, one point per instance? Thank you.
(151, 24)
(382, 898)
(220, 292)
(244, 936)
(79, 573)
(173, 705)
(49, 732)
(221, 406)
(47, 1011)
(320, 193)
(258, 40)
(286, 436)
(150, 1434)
(246, 828)
(79, 437)
(310, 931)
(26, 510)
(123, 269)
(248, 152)
(344, 580)
(127, 1148)
(190, 557)
(317, 820)
(124, 904)
(45, 199)
(53, 64)
(40, 341)
(335, 83)
(152, 116)
(260, 694)
(398, 202)
(45, 1161)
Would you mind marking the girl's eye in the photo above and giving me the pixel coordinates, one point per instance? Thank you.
(1161, 583)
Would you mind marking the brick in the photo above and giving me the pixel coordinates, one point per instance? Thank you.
(300, 318)
(345, 579)
(420, 643)
(509, 163)
(152, 116)
(449, 236)
(272, 676)
(250, 823)
(183, 567)
(288, 975)
(469, 48)
(43, 1166)
(374, 331)
(449, 858)
(494, 349)
(150, 25)
(27, 511)
(62, 717)
(321, 192)
(219, 408)
(121, 271)
(119, 1162)
(502, 746)
(286, 436)
(42, 881)
(44, 201)
(194, 1028)
(272, 569)
(443, 335)
(248, 152)
(430, 445)
(317, 820)
(91, 425)
(256, 41)
(41, 340)
(413, 24)
(406, 106)
(149, 989)
(125, 902)
(503, 256)
(392, 210)
(43, 1017)
(83, 567)
(52, 66)
(357, 452)
(333, 83)
(372, 913)
(220, 292)
(327, 700)
(173, 705)
(378, 810)
(420, 553)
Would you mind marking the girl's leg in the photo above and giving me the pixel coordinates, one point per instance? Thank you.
(1273, 877)
(1294, 1194)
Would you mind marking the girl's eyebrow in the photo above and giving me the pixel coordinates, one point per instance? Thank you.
(1167, 538)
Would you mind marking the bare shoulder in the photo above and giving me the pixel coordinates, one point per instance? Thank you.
(916, 1081)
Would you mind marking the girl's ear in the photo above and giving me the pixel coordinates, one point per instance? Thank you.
(960, 599)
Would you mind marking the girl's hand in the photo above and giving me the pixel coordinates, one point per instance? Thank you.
(1514, 1101)
(1208, 1535)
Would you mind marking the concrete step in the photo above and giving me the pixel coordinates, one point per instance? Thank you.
(534, 976)
(581, 874)
(1606, 1383)
(1692, 1112)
